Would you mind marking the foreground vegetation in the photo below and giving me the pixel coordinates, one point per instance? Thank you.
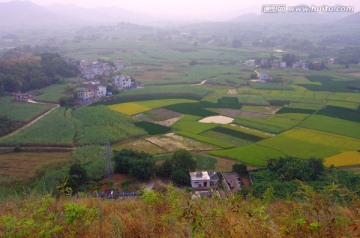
(173, 214)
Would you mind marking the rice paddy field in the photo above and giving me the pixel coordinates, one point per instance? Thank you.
(348, 158)
(254, 154)
(133, 108)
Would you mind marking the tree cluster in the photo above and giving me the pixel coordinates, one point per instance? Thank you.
(34, 72)
(178, 167)
(140, 165)
(289, 169)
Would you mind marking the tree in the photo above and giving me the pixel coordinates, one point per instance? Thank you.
(240, 169)
(180, 177)
(138, 164)
(317, 166)
(142, 168)
(182, 159)
(78, 176)
(165, 169)
(67, 102)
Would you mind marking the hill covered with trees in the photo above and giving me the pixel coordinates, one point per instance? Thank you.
(33, 72)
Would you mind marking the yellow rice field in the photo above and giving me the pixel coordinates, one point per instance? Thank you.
(344, 159)
(133, 108)
(129, 108)
(324, 138)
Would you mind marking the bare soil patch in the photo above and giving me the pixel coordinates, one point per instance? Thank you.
(171, 142)
(251, 114)
(217, 119)
(227, 112)
(142, 145)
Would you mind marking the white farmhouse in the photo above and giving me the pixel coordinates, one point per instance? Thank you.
(203, 179)
(123, 81)
(263, 76)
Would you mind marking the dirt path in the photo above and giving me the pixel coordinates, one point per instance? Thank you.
(199, 84)
(33, 121)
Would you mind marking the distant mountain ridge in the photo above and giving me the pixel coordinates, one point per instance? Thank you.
(353, 18)
(26, 13)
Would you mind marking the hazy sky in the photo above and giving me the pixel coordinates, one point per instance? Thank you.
(192, 7)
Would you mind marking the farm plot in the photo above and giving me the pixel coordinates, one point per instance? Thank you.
(142, 145)
(129, 108)
(299, 148)
(167, 90)
(192, 109)
(250, 114)
(226, 112)
(332, 125)
(20, 111)
(349, 105)
(171, 142)
(190, 123)
(209, 140)
(132, 108)
(23, 165)
(230, 139)
(274, 124)
(52, 130)
(152, 128)
(98, 125)
(342, 113)
(252, 154)
(347, 158)
(252, 100)
(271, 86)
(261, 109)
(158, 114)
(323, 138)
(248, 131)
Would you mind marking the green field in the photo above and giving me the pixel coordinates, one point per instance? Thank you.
(21, 111)
(230, 139)
(299, 148)
(190, 123)
(252, 154)
(332, 125)
(195, 109)
(132, 108)
(152, 128)
(273, 124)
(82, 126)
(208, 140)
(323, 138)
(98, 125)
(53, 129)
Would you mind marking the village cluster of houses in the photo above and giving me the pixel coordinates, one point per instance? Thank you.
(279, 64)
(91, 70)
(94, 90)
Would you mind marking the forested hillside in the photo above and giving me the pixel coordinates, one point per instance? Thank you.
(33, 72)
